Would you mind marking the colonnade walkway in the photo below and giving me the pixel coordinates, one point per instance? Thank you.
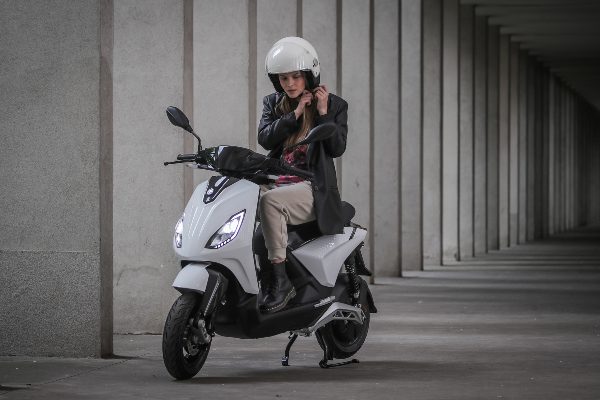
(521, 323)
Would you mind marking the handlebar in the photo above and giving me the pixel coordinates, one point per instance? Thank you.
(205, 159)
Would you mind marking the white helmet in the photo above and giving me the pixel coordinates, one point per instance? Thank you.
(293, 54)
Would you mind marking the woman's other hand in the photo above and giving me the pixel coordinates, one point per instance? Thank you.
(322, 94)
(305, 100)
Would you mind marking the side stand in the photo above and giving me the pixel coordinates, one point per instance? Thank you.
(286, 357)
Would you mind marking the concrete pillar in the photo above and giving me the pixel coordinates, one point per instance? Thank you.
(585, 172)
(466, 118)
(557, 150)
(432, 129)
(565, 162)
(551, 162)
(568, 172)
(513, 213)
(275, 19)
(503, 141)
(594, 167)
(221, 116)
(492, 138)
(148, 77)
(594, 177)
(576, 127)
(56, 172)
(572, 169)
(450, 138)
(562, 155)
(578, 170)
(356, 89)
(538, 149)
(593, 173)
(582, 158)
(410, 134)
(523, 122)
(386, 138)
(572, 118)
(545, 149)
(581, 171)
(557, 115)
(531, 123)
(593, 151)
(318, 27)
(480, 138)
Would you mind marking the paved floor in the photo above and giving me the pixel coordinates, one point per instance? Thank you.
(520, 324)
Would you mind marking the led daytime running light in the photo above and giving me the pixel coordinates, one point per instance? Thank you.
(227, 232)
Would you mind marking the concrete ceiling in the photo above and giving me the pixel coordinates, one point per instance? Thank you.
(563, 34)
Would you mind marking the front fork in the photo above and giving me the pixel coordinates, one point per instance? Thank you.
(214, 295)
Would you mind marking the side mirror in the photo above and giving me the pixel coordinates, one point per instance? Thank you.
(178, 118)
(319, 133)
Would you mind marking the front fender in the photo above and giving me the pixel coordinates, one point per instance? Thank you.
(192, 278)
(196, 278)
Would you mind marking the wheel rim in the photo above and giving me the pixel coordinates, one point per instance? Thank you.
(192, 348)
(347, 333)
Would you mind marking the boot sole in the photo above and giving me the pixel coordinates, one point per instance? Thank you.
(278, 307)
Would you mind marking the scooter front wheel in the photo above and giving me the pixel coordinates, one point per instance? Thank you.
(184, 353)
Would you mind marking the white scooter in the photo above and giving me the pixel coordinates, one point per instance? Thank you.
(215, 240)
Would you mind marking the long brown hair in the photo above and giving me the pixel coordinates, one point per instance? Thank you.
(287, 105)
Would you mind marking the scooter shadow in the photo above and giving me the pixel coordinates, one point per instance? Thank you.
(364, 371)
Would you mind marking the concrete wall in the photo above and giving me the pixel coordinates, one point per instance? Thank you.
(225, 97)
(148, 197)
(55, 297)
(460, 142)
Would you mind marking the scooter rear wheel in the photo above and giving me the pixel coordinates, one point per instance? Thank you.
(183, 354)
(345, 338)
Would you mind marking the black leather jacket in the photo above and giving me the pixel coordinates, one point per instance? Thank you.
(274, 129)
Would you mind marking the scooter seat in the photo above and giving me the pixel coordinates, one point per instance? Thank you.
(300, 234)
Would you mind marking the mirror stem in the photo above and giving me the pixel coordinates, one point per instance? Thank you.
(199, 140)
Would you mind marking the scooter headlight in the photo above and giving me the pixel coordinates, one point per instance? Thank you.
(227, 232)
(179, 232)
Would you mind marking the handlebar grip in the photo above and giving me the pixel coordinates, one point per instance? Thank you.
(186, 157)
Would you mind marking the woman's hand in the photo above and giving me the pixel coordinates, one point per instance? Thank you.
(322, 94)
(305, 100)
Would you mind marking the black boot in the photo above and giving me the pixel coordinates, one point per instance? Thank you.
(266, 281)
(281, 292)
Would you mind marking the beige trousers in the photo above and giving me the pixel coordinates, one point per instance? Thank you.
(291, 204)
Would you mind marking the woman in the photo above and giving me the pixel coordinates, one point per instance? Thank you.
(298, 105)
